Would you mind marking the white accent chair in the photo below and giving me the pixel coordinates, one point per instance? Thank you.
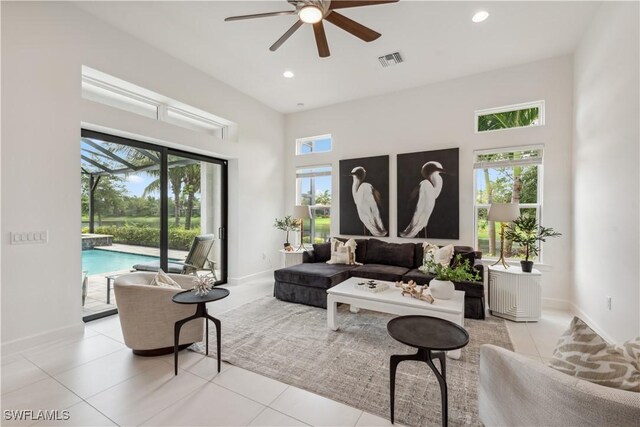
(518, 391)
(147, 314)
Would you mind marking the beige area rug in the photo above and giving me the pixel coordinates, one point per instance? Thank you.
(292, 344)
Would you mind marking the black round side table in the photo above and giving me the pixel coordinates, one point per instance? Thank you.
(190, 297)
(427, 334)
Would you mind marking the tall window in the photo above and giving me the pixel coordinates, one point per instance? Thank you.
(505, 176)
(313, 186)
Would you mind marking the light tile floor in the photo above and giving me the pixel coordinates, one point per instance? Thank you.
(101, 383)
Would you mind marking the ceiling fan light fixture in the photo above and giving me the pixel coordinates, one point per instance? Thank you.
(310, 14)
(480, 16)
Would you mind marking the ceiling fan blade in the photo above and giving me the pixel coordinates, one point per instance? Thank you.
(259, 15)
(343, 4)
(286, 35)
(321, 40)
(351, 26)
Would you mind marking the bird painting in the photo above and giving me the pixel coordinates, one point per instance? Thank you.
(426, 194)
(364, 196)
(368, 201)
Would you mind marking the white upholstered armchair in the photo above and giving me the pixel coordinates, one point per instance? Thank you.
(147, 314)
(518, 391)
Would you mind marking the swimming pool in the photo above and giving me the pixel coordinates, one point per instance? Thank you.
(98, 261)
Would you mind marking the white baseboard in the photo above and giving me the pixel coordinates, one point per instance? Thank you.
(592, 324)
(255, 276)
(556, 304)
(21, 344)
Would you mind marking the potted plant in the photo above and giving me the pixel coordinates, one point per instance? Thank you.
(287, 224)
(526, 232)
(441, 285)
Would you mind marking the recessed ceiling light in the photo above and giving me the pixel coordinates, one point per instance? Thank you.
(310, 14)
(288, 74)
(480, 16)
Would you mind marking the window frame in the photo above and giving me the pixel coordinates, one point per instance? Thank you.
(301, 141)
(507, 108)
(313, 206)
(537, 206)
(102, 88)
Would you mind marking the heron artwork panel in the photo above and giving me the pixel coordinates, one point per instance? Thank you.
(364, 196)
(428, 194)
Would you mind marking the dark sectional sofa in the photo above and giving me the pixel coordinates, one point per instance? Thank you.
(307, 283)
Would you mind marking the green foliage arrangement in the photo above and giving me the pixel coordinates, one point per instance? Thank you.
(460, 272)
(287, 224)
(526, 231)
(179, 238)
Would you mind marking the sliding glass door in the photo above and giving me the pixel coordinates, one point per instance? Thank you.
(196, 199)
(146, 207)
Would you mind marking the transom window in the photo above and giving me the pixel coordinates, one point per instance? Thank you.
(313, 189)
(510, 175)
(314, 144)
(511, 116)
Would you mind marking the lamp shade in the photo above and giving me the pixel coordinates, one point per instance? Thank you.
(301, 212)
(503, 212)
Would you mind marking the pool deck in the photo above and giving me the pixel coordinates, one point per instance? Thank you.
(96, 300)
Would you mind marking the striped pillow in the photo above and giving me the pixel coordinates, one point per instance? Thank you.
(582, 353)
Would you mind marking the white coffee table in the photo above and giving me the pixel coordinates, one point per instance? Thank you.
(391, 301)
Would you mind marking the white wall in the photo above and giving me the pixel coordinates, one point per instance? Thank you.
(442, 116)
(44, 46)
(606, 179)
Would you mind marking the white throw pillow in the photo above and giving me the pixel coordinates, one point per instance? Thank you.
(442, 256)
(163, 280)
(343, 253)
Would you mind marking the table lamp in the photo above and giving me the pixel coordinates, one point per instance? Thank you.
(503, 212)
(301, 212)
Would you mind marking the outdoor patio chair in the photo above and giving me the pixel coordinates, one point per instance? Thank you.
(197, 259)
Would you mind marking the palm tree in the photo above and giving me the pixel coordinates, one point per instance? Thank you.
(191, 180)
(175, 179)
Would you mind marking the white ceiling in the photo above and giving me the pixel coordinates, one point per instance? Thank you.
(437, 39)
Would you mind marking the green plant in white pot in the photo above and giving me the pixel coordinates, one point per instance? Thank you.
(287, 224)
(528, 234)
(441, 285)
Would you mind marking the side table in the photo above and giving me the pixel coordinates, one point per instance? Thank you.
(515, 295)
(292, 257)
(427, 334)
(189, 297)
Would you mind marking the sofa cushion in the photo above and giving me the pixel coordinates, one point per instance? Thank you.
(343, 252)
(361, 248)
(321, 252)
(417, 276)
(391, 273)
(317, 275)
(438, 255)
(463, 250)
(582, 353)
(394, 254)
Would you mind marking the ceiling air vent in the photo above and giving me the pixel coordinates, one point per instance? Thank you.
(391, 59)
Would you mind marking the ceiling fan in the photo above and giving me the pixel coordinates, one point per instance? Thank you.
(314, 12)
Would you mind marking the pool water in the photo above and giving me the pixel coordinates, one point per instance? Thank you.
(98, 261)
